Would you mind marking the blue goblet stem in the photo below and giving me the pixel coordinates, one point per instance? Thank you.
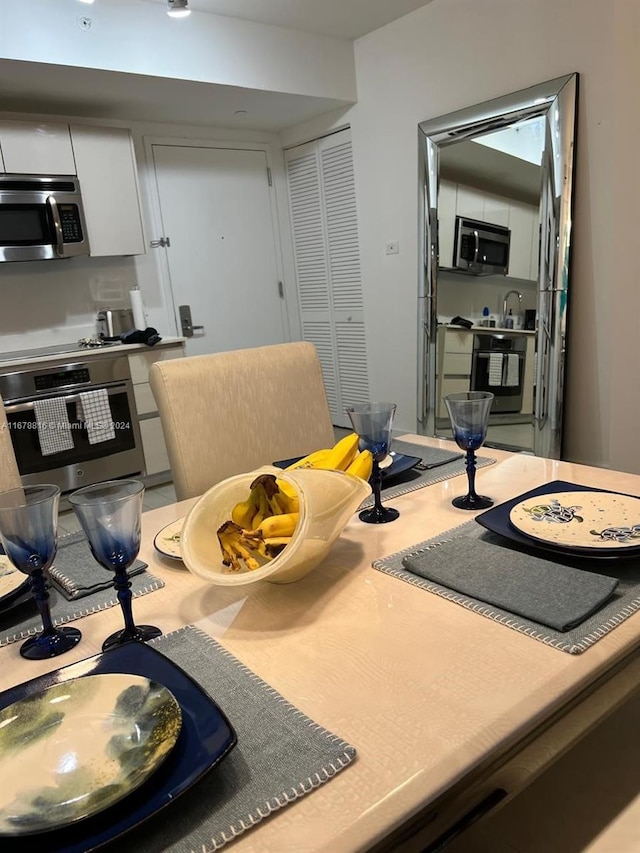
(471, 473)
(40, 588)
(376, 485)
(122, 585)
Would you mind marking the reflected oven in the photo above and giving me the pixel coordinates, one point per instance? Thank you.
(497, 365)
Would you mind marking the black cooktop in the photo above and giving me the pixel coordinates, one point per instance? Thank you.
(38, 352)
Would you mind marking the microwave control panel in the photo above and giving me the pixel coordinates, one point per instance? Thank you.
(70, 220)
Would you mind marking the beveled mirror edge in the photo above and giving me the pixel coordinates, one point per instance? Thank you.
(477, 120)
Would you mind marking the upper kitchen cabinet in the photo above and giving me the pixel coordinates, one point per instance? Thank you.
(36, 148)
(106, 168)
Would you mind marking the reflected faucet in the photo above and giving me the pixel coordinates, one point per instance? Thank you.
(504, 305)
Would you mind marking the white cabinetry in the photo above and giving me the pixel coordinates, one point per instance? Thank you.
(447, 201)
(36, 148)
(104, 161)
(455, 352)
(155, 452)
(108, 181)
(522, 220)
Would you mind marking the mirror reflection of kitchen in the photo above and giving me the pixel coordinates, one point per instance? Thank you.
(489, 227)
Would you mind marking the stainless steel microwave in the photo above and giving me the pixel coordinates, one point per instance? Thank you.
(481, 248)
(41, 218)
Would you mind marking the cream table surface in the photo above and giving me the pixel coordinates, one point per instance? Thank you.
(427, 692)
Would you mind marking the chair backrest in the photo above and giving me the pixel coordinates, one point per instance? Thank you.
(9, 475)
(231, 412)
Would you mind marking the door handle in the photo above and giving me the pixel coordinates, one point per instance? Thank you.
(185, 321)
(57, 224)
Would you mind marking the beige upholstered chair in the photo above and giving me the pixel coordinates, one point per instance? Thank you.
(9, 476)
(231, 412)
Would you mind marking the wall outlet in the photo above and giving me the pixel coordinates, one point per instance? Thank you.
(391, 248)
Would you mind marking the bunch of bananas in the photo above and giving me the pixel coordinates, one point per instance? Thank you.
(343, 456)
(262, 525)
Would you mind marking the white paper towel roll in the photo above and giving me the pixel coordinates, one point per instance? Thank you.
(139, 314)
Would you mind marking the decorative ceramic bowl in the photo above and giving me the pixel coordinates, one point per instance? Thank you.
(328, 500)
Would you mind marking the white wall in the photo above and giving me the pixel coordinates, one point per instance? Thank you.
(54, 302)
(450, 55)
(138, 37)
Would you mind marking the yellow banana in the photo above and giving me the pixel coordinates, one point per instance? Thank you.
(278, 525)
(242, 514)
(362, 465)
(276, 544)
(287, 489)
(309, 461)
(341, 454)
(287, 497)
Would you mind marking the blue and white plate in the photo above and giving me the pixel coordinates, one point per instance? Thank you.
(498, 520)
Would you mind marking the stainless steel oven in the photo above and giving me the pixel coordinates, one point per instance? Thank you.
(498, 365)
(84, 462)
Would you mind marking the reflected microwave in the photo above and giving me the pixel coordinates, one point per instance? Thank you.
(481, 248)
(41, 218)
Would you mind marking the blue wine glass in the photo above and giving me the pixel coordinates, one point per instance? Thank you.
(111, 516)
(373, 423)
(28, 531)
(469, 414)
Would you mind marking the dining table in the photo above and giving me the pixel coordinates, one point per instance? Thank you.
(450, 713)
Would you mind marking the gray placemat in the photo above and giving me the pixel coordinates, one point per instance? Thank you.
(623, 603)
(541, 590)
(281, 755)
(24, 620)
(414, 479)
(75, 573)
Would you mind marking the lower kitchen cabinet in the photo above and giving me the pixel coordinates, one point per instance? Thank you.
(153, 445)
(455, 352)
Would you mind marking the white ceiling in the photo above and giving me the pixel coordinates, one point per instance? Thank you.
(31, 87)
(347, 19)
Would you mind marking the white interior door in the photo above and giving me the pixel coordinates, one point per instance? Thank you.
(215, 206)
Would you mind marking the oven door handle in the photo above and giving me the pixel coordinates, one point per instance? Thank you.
(15, 408)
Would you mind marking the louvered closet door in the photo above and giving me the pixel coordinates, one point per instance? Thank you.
(327, 258)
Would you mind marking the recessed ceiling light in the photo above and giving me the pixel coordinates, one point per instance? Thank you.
(85, 1)
(178, 8)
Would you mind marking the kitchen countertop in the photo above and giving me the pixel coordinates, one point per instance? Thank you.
(490, 330)
(83, 354)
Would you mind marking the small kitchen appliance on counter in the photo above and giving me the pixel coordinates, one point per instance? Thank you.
(113, 322)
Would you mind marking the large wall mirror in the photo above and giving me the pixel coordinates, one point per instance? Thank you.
(496, 187)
